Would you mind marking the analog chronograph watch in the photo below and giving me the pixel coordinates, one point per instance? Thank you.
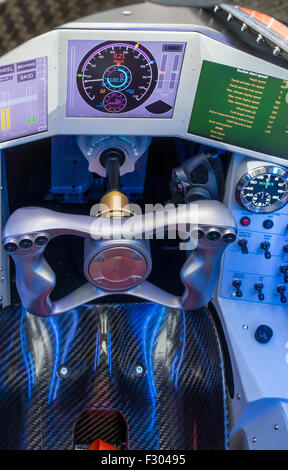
(264, 189)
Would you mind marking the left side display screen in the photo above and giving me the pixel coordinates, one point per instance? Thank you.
(23, 98)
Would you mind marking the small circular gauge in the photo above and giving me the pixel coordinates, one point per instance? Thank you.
(116, 77)
(114, 102)
(264, 189)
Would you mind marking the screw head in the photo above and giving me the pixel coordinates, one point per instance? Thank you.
(139, 370)
(63, 372)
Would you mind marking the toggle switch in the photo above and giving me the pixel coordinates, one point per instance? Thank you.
(243, 245)
(259, 287)
(237, 284)
(284, 270)
(281, 290)
(265, 246)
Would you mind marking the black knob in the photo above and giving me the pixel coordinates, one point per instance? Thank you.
(243, 245)
(263, 334)
(285, 248)
(265, 246)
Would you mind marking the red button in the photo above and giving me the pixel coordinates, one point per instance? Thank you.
(245, 221)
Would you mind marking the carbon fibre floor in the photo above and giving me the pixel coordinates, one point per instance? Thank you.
(162, 369)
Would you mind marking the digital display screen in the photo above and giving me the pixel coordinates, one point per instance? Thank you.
(123, 78)
(23, 98)
(241, 107)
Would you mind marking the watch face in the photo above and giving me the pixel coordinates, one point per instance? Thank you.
(264, 189)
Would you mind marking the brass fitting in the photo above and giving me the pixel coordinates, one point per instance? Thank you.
(115, 204)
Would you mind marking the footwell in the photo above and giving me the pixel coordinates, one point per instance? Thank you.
(139, 376)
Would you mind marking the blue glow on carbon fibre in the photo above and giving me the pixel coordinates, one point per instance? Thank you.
(26, 360)
(109, 357)
(183, 339)
(74, 314)
(97, 351)
(32, 368)
(56, 359)
(148, 350)
(173, 366)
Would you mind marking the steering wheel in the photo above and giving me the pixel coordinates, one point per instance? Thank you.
(117, 255)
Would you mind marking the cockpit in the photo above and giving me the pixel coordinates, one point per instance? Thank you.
(144, 231)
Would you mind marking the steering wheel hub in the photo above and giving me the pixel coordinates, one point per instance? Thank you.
(117, 268)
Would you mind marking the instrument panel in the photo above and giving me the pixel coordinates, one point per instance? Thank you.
(23, 98)
(173, 84)
(124, 78)
(241, 106)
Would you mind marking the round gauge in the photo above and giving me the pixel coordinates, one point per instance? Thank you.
(264, 189)
(116, 77)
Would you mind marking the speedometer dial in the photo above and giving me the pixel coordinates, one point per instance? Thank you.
(264, 189)
(116, 77)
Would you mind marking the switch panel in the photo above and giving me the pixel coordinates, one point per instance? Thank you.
(255, 267)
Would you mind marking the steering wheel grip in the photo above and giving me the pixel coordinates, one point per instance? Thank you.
(27, 227)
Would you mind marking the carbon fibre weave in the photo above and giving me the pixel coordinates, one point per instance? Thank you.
(179, 403)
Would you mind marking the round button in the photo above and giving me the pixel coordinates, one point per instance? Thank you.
(10, 247)
(26, 243)
(268, 223)
(263, 334)
(245, 221)
(42, 240)
(213, 236)
(229, 238)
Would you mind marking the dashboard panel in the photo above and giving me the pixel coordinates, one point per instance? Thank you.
(124, 78)
(120, 94)
(241, 107)
(23, 98)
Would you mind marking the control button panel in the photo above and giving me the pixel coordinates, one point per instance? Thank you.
(255, 267)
